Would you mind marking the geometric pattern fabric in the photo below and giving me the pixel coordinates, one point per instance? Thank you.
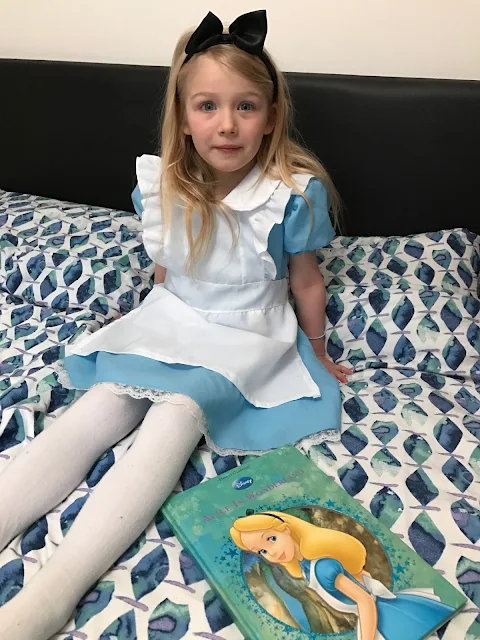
(403, 311)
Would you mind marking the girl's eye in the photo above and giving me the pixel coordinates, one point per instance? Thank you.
(207, 106)
(246, 106)
(272, 539)
(263, 552)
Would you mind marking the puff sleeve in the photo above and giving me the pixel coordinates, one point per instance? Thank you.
(300, 234)
(137, 200)
(326, 571)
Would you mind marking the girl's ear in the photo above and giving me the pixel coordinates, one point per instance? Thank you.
(271, 120)
(186, 129)
(287, 530)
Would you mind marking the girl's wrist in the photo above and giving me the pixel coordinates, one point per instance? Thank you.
(318, 347)
(318, 337)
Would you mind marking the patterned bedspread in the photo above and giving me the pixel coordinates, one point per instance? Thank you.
(410, 444)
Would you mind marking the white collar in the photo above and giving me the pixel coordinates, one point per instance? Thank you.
(251, 192)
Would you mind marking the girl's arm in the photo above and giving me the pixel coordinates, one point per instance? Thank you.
(159, 275)
(367, 609)
(308, 289)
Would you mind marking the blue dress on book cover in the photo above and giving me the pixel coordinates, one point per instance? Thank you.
(419, 610)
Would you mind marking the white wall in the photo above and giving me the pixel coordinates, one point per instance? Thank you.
(423, 38)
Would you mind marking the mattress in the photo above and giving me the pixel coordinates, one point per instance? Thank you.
(403, 311)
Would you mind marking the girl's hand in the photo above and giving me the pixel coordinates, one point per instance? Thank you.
(336, 370)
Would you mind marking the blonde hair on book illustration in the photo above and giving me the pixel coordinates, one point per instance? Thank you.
(295, 540)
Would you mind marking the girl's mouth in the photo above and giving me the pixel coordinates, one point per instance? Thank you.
(228, 149)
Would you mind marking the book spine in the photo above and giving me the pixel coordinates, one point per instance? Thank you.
(246, 629)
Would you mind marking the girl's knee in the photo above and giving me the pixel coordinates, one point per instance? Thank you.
(179, 416)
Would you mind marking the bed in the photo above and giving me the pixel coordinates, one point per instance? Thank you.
(403, 310)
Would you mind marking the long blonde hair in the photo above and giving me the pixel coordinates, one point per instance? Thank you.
(314, 542)
(187, 178)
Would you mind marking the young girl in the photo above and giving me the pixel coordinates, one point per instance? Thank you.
(332, 564)
(215, 348)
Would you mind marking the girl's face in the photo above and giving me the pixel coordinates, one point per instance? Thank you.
(226, 115)
(274, 546)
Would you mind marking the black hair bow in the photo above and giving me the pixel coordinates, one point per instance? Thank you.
(247, 32)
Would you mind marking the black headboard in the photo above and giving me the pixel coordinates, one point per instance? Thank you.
(402, 152)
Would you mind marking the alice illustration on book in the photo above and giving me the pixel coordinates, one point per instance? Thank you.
(332, 564)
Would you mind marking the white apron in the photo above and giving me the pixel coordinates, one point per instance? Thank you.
(233, 317)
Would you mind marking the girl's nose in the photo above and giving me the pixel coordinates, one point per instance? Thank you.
(227, 123)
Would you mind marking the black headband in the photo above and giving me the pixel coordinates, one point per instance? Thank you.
(247, 32)
(251, 512)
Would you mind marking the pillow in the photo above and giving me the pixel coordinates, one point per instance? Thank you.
(404, 302)
(446, 259)
(70, 257)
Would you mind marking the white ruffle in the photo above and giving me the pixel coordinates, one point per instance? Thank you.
(62, 375)
(148, 176)
(157, 397)
(273, 213)
(251, 193)
(330, 435)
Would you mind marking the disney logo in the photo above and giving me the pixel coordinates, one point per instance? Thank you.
(242, 483)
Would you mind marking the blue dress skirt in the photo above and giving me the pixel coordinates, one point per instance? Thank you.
(234, 425)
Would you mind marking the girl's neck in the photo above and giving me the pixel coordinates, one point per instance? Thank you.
(227, 181)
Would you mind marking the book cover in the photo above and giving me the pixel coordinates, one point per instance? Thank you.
(292, 555)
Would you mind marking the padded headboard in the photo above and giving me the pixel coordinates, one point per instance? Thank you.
(403, 152)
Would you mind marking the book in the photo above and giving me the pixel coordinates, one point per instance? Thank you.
(293, 556)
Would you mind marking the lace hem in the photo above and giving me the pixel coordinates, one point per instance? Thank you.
(154, 395)
(62, 375)
(332, 435)
(157, 396)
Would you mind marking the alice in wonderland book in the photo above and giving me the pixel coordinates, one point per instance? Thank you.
(293, 556)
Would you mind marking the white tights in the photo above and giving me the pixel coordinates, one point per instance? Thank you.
(121, 507)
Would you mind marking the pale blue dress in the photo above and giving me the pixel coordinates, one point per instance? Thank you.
(232, 423)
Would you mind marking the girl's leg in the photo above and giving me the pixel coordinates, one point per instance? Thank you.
(58, 459)
(121, 507)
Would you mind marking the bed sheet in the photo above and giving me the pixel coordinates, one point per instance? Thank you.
(409, 452)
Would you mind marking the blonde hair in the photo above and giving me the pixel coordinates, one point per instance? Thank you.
(187, 178)
(314, 542)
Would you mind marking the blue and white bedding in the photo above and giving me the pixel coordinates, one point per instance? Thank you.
(404, 311)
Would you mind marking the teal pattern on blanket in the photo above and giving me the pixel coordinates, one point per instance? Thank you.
(403, 311)
(405, 302)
